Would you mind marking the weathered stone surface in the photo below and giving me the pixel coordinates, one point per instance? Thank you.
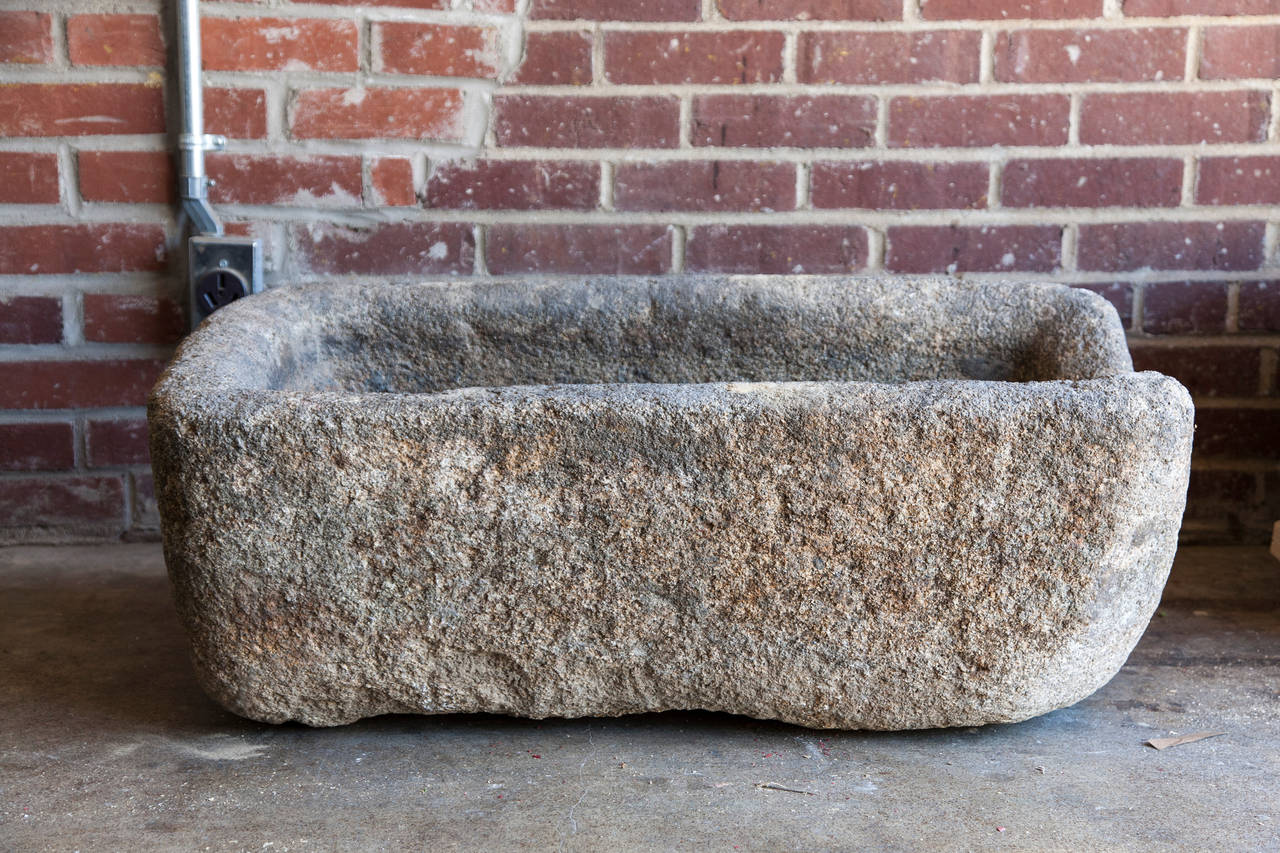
(853, 503)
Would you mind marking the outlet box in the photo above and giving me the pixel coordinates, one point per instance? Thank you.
(220, 271)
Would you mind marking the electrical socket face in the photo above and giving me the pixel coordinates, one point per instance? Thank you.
(220, 271)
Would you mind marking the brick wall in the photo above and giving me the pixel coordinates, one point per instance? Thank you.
(1132, 148)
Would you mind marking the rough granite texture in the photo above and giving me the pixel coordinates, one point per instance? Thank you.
(879, 504)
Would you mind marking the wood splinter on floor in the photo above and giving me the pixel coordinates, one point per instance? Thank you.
(770, 786)
(1166, 742)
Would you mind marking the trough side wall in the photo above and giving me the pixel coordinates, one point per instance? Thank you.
(1131, 147)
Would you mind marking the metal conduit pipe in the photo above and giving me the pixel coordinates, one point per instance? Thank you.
(193, 181)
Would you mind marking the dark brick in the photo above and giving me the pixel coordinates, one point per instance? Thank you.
(514, 185)
(117, 442)
(880, 57)
(980, 121)
(776, 249)
(132, 319)
(694, 57)
(593, 249)
(30, 320)
(1184, 307)
(78, 384)
(36, 447)
(1171, 246)
(1090, 56)
(1259, 307)
(899, 185)
(397, 248)
(810, 10)
(1173, 118)
(582, 121)
(1132, 182)
(555, 59)
(1239, 180)
(988, 10)
(616, 10)
(62, 502)
(1237, 433)
(705, 185)
(1206, 371)
(784, 121)
(955, 248)
(126, 176)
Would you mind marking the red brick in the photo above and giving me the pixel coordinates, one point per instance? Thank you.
(705, 185)
(126, 176)
(275, 179)
(776, 249)
(1173, 118)
(811, 10)
(582, 121)
(391, 182)
(80, 109)
(582, 249)
(693, 57)
(784, 121)
(514, 185)
(63, 502)
(878, 57)
(403, 4)
(1090, 56)
(616, 10)
(555, 59)
(237, 113)
(26, 38)
(1118, 294)
(1239, 180)
(1171, 8)
(279, 44)
(377, 114)
(36, 447)
(78, 384)
(52, 249)
(397, 248)
(1237, 433)
(117, 442)
(899, 186)
(28, 178)
(955, 248)
(30, 320)
(978, 121)
(118, 318)
(1206, 371)
(1235, 52)
(1184, 307)
(436, 50)
(115, 40)
(1134, 182)
(501, 7)
(1259, 307)
(995, 10)
(1171, 246)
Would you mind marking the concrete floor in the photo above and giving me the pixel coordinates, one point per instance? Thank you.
(106, 743)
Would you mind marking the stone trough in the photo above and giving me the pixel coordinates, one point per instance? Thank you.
(857, 503)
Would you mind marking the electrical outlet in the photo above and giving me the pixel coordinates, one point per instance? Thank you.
(221, 270)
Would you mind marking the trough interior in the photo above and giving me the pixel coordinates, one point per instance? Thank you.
(427, 339)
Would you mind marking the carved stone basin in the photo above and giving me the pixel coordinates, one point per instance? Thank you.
(878, 504)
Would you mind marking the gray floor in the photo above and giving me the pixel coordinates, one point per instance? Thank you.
(106, 743)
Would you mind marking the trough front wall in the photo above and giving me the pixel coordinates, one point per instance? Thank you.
(1129, 147)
